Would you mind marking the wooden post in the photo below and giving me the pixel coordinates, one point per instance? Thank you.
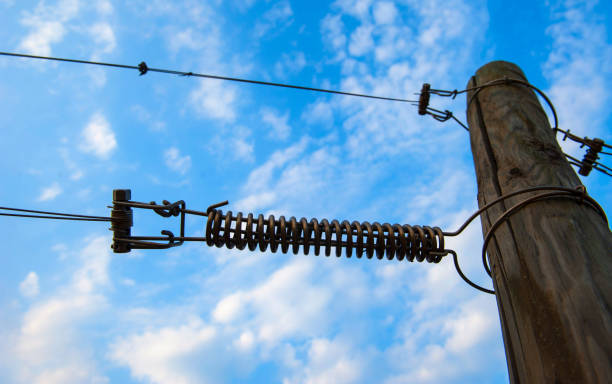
(552, 260)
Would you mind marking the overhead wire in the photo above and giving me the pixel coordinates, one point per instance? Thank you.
(51, 215)
(438, 115)
(143, 69)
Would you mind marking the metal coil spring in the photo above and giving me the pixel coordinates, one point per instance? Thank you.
(400, 241)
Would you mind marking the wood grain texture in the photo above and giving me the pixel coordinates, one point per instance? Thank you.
(552, 261)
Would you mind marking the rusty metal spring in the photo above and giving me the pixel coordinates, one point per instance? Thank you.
(399, 241)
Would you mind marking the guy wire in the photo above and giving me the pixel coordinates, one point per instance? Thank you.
(143, 68)
(51, 215)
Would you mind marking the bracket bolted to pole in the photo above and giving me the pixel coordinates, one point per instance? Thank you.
(122, 220)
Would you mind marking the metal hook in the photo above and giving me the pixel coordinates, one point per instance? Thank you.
(215, 206)
(172, 209)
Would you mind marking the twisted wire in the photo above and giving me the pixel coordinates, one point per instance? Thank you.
(51, 215)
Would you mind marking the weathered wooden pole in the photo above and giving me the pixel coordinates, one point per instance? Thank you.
(552, 260)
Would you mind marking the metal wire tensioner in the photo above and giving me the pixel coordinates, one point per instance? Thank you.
(420, 243)
(402, 242)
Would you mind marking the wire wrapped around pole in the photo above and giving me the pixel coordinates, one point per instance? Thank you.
(393, 241)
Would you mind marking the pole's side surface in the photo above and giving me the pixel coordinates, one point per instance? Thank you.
(551, 261)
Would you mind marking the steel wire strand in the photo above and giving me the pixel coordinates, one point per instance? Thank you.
(51, 215)
(143, 69)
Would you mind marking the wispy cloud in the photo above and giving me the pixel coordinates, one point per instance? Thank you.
(29, 286)
(188, 39)
(97, 137)
(76, 173)
(47, 25)
(103, 36)
(276, 18)
(50, 192)
(49, 344)
(277, 121)
(290, 63)
(157, 355)
(215, 100)
(385, 12)
(319, 112)
(579, 72)
(233, 142)
(361, 41)
(176, 162)
(104, 7)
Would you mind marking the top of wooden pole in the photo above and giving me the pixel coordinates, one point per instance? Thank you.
(515, 118)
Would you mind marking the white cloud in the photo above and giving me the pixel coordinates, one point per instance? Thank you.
(176, 162)
(97, 137)
(243, 150)
(331, 362)
(360, 9)
(50, 347)
(290, 64)
(244, 5)
(450, 340)
(46, 24)
(245, 342)
(39, 42)
(361, 41)
(50, 193)
(186, 38)
(76, 173)
(104, 7)
(229, 308)
(290, 303)
(104, 37)
(158, 355)
(278, 122)
(277, 17)
(235, 142)
(472, 326)
(319, 112)
(261, 192)
(214, 99)
(578, 67)
(332, 29)
(29, 286)
(385, 12)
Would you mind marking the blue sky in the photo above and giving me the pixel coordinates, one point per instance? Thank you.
(73, 312)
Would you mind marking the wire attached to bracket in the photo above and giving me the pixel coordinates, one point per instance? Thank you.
(425, 109)
(413, 243)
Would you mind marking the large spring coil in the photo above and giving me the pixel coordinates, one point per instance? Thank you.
(399, 241)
